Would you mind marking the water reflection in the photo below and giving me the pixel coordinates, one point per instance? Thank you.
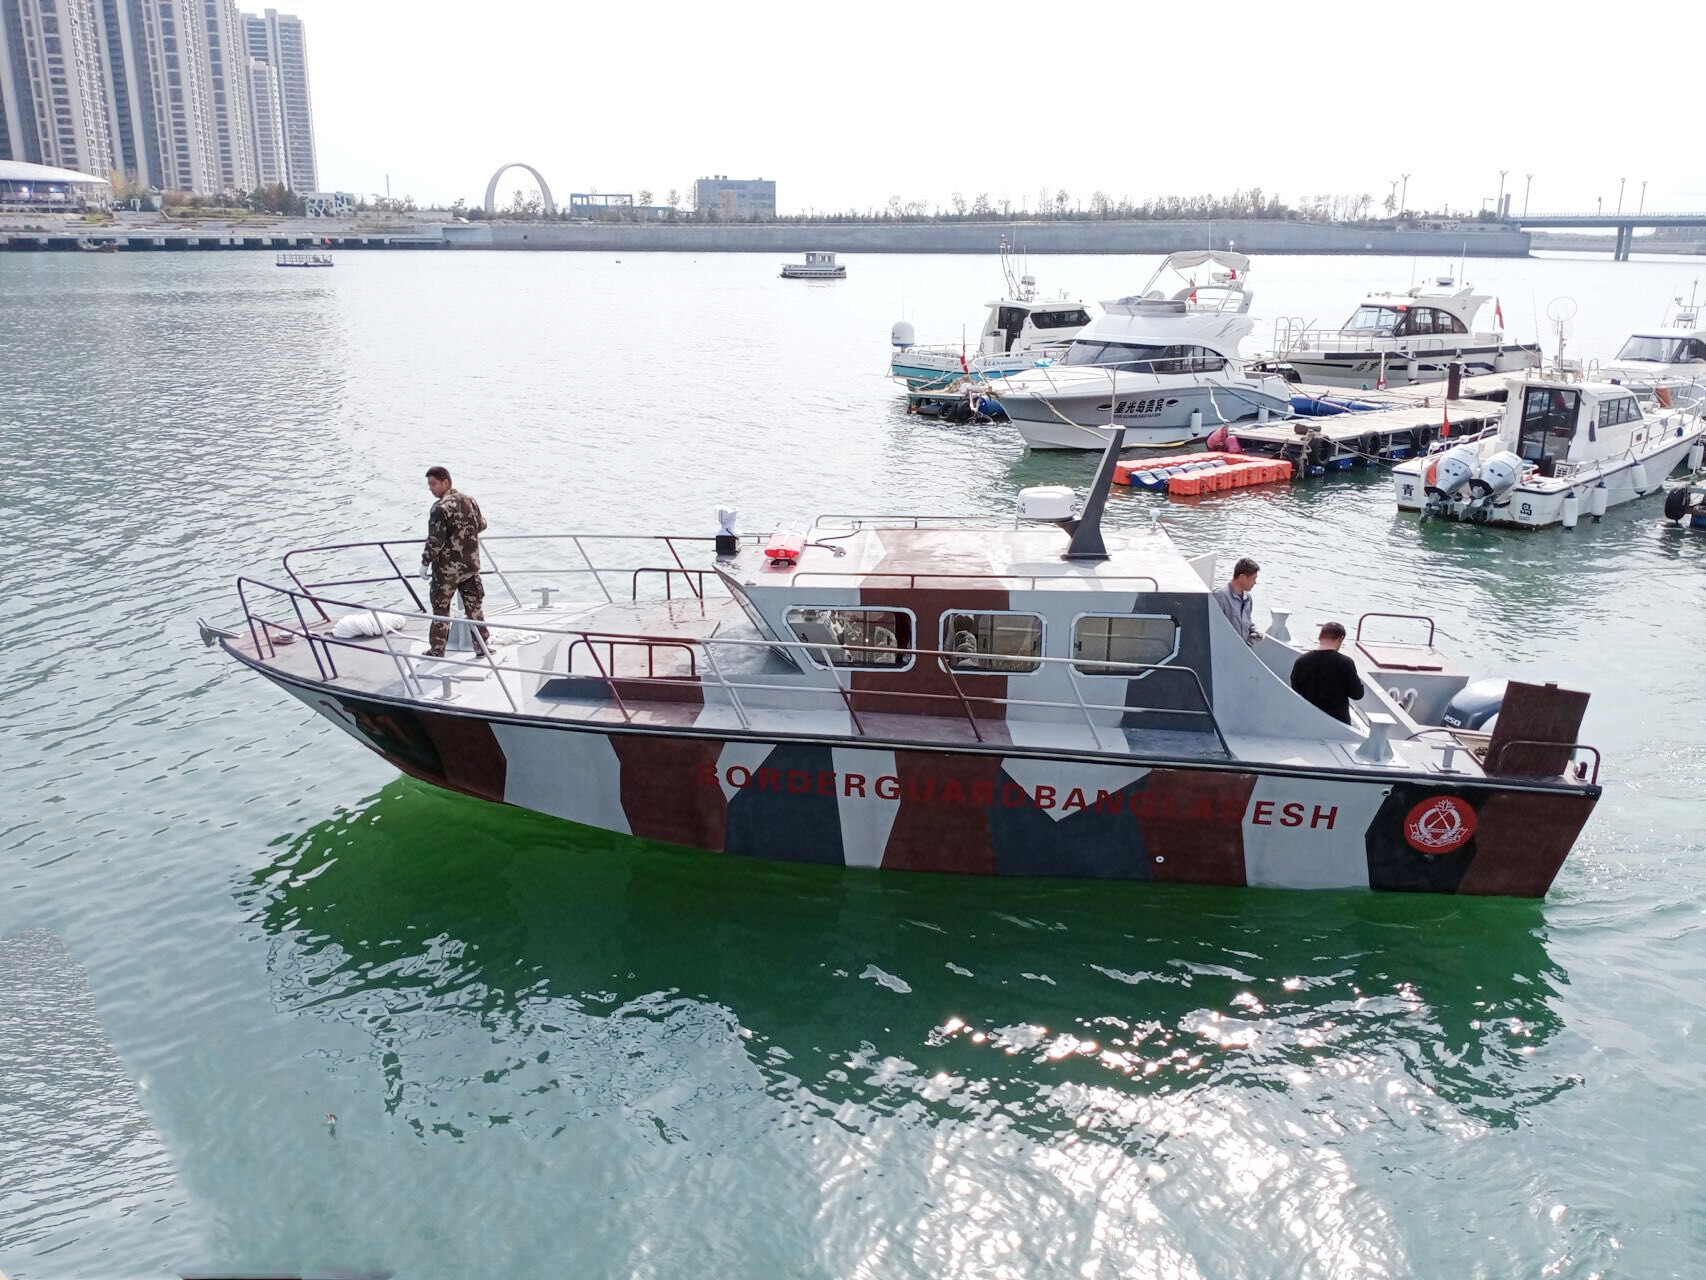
(607, 978)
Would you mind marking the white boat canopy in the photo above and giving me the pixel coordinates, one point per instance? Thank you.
(1188, 258)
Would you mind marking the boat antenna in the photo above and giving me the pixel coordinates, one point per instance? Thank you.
(1086, 527)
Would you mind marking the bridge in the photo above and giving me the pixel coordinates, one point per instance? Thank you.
(1623, 223)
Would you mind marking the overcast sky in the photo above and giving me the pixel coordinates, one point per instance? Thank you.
(846, 106)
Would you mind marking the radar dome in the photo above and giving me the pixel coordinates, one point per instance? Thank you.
(902, 334)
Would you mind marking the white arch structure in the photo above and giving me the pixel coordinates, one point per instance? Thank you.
(544, 189)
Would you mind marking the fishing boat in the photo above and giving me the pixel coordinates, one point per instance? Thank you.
(1018, 329)
(1019, 696)
(1561, 449)
(819, 265)
(304, 260)
(1160, 368)
(1400, 339)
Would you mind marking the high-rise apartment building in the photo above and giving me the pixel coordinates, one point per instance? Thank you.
(224, 31)
(278, 40)
(735, 198)
(53, 107)
(185, 95)
(266, 124)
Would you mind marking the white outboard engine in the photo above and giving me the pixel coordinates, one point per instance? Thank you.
(903, 335)
(1475, 705)
(1499, 474)
(1456, 467)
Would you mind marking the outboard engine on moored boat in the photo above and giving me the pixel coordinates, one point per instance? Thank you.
(1445, 476)
(1498, 474)
(1474, 705)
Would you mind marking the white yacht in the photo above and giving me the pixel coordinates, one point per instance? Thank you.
(1163, 367)
(1018, 330)
(1398, 339)
(819, 265)
(1562, 450)
(1668, 361)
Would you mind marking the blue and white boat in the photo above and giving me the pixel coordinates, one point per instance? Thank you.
(1018, 330)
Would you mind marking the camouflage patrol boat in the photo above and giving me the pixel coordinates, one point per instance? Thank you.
(1018, 696)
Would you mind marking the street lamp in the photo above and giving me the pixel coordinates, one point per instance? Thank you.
(1643, 205)
(1598, 205)
(1525, 190)
(1620, 183)
(1404, 200)
(1499, 204)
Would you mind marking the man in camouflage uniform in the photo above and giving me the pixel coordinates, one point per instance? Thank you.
(452, 557)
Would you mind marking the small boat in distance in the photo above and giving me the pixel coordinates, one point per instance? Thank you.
(98, 246)
(819, 265)
(304, 260)
(1397, 339)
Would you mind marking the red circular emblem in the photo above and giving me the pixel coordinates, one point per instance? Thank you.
(1443, 824)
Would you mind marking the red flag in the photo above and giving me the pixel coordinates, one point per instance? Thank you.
(1445, 419)
(1499, 315)
(1193, 290)
(964, 367)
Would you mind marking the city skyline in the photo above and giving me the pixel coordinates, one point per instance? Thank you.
(844, 112)
(180, 95)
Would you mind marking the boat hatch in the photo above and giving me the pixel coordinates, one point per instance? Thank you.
(1393, 655)
(1548, 425)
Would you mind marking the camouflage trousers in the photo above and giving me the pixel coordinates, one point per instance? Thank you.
(444, 589)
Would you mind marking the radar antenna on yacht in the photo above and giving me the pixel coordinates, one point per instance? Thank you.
(1021, 287)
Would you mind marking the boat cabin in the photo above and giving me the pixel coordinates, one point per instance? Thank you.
(1551, 422)
(1425, 311)
(1014, 326)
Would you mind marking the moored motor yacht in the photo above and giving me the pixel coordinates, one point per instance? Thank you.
(1666, 362)
(1018, 329)
(1561, 450)
(1020, 696)
(1160, 368)
(1399, 339)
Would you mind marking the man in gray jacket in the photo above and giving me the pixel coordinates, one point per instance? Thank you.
(1234, 599)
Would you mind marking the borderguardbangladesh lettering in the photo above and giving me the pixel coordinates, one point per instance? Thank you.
(984, 794)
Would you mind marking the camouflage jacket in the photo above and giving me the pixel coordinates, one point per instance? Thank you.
(454, 526)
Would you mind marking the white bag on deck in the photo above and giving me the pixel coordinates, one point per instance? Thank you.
(371, 623)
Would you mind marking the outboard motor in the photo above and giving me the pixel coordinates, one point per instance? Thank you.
(1455, 468)
(1475, 705)
(903, 335)
(1499, 473)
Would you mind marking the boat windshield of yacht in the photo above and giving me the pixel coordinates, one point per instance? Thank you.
(1135, 357)
(1653, 348)
(1401, 321)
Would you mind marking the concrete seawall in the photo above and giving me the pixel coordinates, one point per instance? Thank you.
(1473, 239)
(784, 239)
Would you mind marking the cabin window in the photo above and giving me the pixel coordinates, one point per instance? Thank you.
(1693, 351)
(1445, 322)
(1376, 320)
(1548, 423)
(1614, 412)
(1060, 319)
(854, 637)
(1131, 358)
(1101, 639)
(995, 642)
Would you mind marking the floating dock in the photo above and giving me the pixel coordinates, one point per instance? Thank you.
(1355, 428)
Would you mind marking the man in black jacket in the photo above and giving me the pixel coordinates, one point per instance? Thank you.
(1327, 677)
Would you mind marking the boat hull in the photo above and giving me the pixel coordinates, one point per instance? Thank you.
(1160, 418)
(1362, 369)
(993, 809)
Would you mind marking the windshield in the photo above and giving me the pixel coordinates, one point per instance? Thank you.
(1381, 320)
(1656, 350)
(1134, 358)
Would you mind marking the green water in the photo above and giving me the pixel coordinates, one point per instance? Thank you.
(378, 1028)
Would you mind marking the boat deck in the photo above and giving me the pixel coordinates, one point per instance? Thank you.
(696, 667)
